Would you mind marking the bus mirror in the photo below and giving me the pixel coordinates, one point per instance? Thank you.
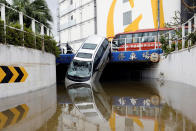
(114, 43)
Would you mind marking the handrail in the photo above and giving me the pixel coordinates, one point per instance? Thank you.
(40, 34)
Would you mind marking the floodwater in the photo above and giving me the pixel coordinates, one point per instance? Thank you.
(149, 105)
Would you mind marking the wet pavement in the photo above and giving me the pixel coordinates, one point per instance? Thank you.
(149, 105)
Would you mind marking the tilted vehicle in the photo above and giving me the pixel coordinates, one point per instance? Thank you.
(89, 60)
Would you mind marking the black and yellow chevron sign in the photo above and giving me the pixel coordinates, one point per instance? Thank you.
(13, 115)
(10, 74)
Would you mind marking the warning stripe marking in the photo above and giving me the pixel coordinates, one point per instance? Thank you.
(10, 74)
(13, 115)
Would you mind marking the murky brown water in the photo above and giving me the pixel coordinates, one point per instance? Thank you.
(109, 106)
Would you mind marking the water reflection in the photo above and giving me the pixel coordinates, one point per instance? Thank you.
(129, 106)
(179, 110)
(92, 102)
(27, 112)
(110, 106)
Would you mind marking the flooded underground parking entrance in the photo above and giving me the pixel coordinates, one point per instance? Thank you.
(113, 104)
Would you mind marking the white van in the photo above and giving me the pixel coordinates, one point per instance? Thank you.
(90, 58)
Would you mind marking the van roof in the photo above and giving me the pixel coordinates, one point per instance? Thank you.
(94, 39)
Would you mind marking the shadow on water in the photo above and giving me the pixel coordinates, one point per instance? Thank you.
(125, 71)
(113, 71)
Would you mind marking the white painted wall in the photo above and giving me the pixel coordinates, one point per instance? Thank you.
(179, 67)
(83, 23)
(40, 66)
(140, 7)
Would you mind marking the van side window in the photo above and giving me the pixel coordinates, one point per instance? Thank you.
(105, 43)
(98, 57)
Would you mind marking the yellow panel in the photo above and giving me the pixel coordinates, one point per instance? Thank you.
(156, 126)
(26, 108)
(16, 115)
(138, 122)
(154, 4)
(162, 20)
(15, 74)
(110, 20)
(25, 74)
(2, 75)
(134, 26)
(3, 120)
(131, 2)
(112, 122)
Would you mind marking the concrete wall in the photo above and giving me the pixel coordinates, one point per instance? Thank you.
(41, 69)
(178, 66)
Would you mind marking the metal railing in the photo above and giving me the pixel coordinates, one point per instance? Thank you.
(37, 33)
(177, 38)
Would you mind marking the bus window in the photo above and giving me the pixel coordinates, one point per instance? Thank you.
(145, 36)
(121, 40)
(129, 38)
(136, 37)
(152, 36)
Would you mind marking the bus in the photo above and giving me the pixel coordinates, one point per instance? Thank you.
(145, 39)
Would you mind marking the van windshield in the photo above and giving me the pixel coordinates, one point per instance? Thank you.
(80, 69)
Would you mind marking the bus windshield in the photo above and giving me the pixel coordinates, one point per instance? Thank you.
(80, 69)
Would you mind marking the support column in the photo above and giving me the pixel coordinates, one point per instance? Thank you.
(33, 29)
(21, 21)
(183, 36)
(33, 25)
(189, 32)
(170, 41)
(48, 32)
(42, 29)
(22, 25)
(42, 34)
(195, 22)
(3, 18)
(176, 43)
(2, 12)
